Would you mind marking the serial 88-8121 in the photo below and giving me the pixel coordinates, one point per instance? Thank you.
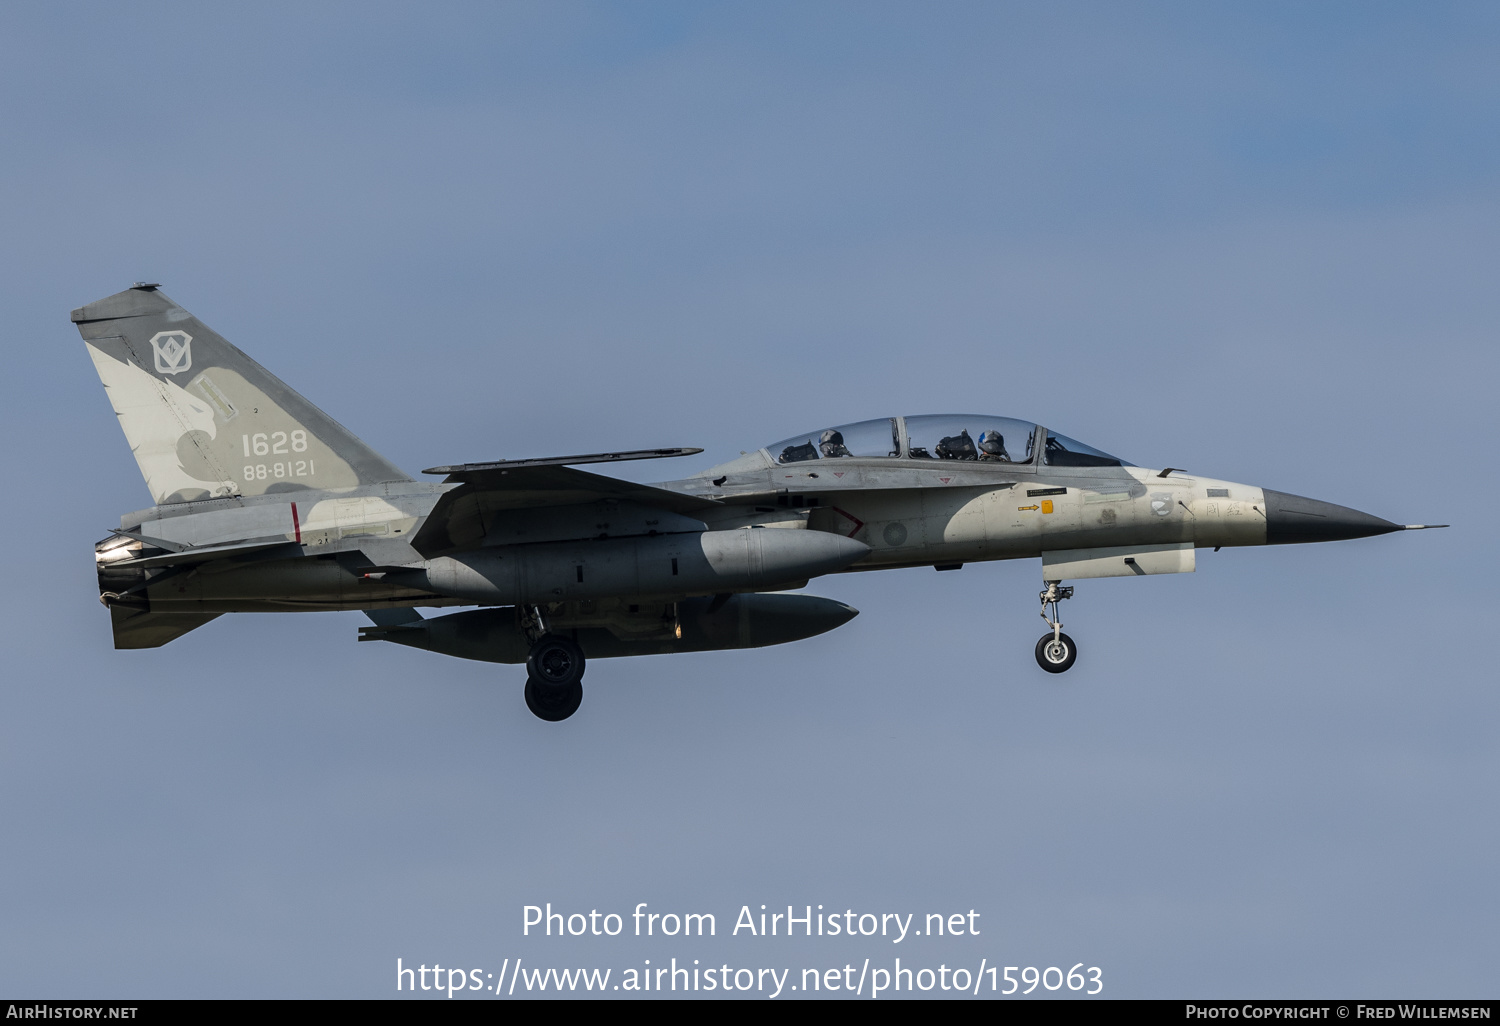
(261, 502)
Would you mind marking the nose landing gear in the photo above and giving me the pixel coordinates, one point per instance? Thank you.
(1055, 651)
(554, 670)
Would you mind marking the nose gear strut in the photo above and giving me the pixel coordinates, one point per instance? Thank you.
(1055, 652)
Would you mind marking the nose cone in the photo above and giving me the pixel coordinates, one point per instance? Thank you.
(1293, 518)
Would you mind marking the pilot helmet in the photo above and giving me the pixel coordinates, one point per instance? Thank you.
(992, 442)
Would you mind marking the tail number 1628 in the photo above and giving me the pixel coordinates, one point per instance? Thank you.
(274, 444)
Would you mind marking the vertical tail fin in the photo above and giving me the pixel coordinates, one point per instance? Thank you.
(205, 420)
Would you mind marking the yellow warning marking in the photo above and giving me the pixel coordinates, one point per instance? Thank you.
(1019, 508)
(1046, 505)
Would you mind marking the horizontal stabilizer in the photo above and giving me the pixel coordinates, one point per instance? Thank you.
(398, 617)
(400, 620)
(380, 632)
(207, 553)
(139, 628)
(157, 543)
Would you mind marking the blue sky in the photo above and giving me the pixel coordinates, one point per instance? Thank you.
(1256, 241)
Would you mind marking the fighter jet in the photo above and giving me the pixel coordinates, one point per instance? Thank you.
(263, 503)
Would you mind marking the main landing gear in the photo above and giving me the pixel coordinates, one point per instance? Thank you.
(1055, 652)
(554, 671)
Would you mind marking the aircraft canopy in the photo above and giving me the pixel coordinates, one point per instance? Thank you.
(944, 436)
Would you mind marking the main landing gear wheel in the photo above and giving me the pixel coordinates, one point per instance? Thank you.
(555, 661)
(554, 670)
(552, 703)
(1055, 652)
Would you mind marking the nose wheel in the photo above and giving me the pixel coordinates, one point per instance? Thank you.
(1055, 651)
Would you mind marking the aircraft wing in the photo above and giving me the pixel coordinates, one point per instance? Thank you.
(458, 520)
(560, 461)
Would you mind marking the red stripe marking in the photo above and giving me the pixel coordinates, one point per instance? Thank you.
(858, 523)
(296, 524)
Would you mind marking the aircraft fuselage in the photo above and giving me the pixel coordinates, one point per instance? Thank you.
(264, 503)
(920, 516)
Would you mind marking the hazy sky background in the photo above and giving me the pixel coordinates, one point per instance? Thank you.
(1258, 241)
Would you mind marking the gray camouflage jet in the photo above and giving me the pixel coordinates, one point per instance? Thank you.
(262, 503)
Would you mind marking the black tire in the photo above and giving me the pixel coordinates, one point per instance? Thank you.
(555, 661)
(550, 703)
(1055, 660)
